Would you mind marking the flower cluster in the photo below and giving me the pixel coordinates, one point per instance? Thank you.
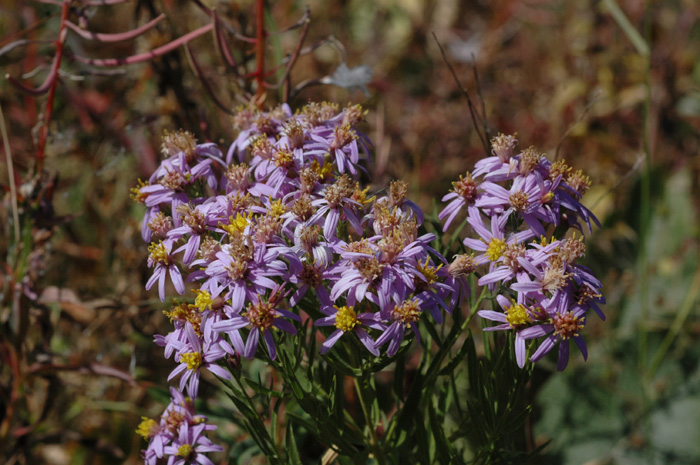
(518, 204)
(179, 435)
(280, 229)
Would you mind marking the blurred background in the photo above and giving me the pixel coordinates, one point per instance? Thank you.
(612, 86)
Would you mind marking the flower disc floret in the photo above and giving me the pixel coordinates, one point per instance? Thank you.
(517, 316)
(462, 265)
(159, 253)
(203, 301)
(184, 451)
(567, 325)
(311, 275)
(261, 314)
(192, 359)
(466, 188)
(495, 249)
(408, 312)
(519, 201)
(147, 428)
(345, 319)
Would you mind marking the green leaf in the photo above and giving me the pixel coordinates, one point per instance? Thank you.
(292, 451)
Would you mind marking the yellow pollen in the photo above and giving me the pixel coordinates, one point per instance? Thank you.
(136, 194)
(517, 316)
(324, 172)
(547, 197)
(184, 451)
(203, 300)
(276, 208)
(408, 312)
(360, 195)
(345, 319)
(192, 359)
(495, 249)
(159, 254)
(283, 159)
(147, 427)
(430, 272)
(237, 225)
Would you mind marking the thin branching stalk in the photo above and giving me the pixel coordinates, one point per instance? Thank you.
(260, 52)
(116, 37)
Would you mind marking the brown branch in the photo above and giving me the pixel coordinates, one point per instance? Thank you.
(205, 84)
(44, 132)
(222, 45)
(580, 118)
(472, 110)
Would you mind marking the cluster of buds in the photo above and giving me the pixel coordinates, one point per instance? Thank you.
(518, 204)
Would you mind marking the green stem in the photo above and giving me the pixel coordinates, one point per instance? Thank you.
(436, 362)
(249, 402)
(360, 387)
(681, 316)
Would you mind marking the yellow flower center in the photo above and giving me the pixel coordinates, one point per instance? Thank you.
(566, 325)
(325, 171)
(184, 451)
(284, 159)
(236, 225)
(345, 319)
(547, 197)
(261, 315)
(430, 272)
(192, 359)
(517, 316)
(276, 208)
(495, 249)
(159, 254)
(147, 428)
(360, 195)
(203, 300)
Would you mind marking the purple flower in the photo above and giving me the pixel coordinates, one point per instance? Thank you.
(245, 269)
(262, 316)
(346, 320)
(340, 142)
(194, 355)
(564, 326)
(464, 194)
(162, 263)
(402, 316)
(524, 198)
(515, 317)
(190, 445)
(493, 243)
(179, 412)
(337, 203)
(501, 166)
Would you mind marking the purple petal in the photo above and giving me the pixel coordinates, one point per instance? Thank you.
(332, 339)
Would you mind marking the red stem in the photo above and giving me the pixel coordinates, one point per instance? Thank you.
(260, 53)
(141, 57)
(43, 134)
(118, 37)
